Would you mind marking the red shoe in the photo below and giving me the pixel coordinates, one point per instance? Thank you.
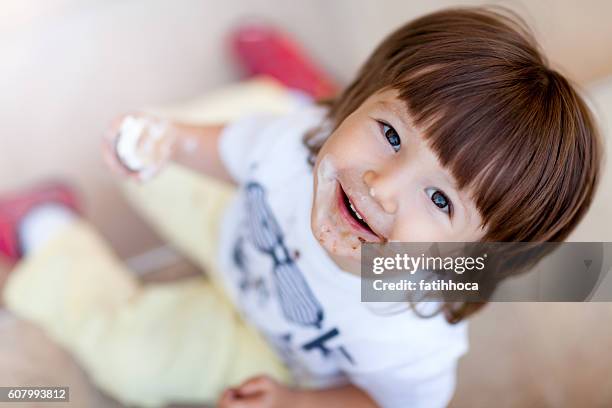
(14, 207)
(263, 50)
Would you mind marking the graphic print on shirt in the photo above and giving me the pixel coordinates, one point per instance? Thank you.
(298, 303)
(247, 281)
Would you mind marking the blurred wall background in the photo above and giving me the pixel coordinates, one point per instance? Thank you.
(68, 66)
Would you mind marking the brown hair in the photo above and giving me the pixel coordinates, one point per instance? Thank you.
(507, 126)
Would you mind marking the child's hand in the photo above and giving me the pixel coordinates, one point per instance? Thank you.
(259, 392)
(138, 145)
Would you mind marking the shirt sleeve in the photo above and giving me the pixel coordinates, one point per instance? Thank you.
(241, 140)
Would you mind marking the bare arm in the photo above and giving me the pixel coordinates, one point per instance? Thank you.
(197, 148)
(150, 142)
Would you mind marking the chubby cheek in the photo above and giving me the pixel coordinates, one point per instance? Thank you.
(354, 143)
(326, 222)
(425, 229)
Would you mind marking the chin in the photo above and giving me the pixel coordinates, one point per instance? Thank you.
(339, 245)
(331, 234)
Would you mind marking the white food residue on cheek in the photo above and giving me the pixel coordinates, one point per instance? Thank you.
(330, 233)
(327, 170)
(326, 190)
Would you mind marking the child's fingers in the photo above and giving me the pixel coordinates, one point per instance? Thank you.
(227, 398)
(231, 399)
(109, 151)
(148, 151)
(112, 161)
(256, 385)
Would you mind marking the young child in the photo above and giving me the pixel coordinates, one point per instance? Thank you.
(455, 129)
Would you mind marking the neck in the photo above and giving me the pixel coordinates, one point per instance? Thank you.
(347, 264)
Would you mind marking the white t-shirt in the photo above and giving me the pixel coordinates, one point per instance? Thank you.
(287, 286)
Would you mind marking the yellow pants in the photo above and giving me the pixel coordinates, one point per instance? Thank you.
(177, 342)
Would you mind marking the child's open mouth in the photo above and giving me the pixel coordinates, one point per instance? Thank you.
(351, 215)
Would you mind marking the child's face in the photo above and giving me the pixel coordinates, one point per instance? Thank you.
(379, 162)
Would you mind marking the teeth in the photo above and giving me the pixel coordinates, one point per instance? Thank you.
(355, 211)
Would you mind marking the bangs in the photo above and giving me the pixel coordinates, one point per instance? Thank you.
(497, 131)
(513, 132)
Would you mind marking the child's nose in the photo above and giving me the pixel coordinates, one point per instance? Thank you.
(379, 190)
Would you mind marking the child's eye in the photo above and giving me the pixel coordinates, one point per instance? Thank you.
(392, 136)
(440, 200)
